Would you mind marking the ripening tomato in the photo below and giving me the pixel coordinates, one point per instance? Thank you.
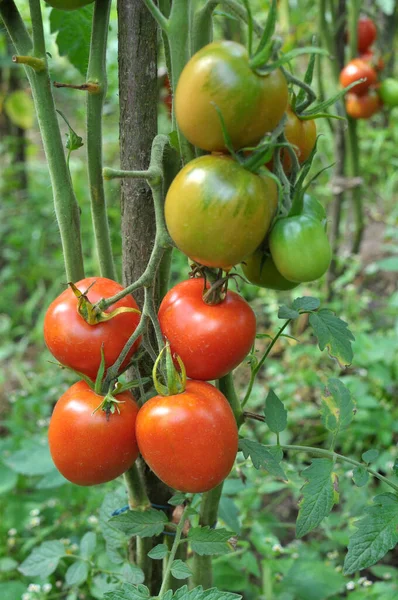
(217, 212)
(260, 269)
(75, 343)
(367, 33)
(389, 92)
(211, 339)
(301, 134)
(220, 75)
(362, 107)
(189, 440)
(375, 60)
(90, 447)
(68, 4)
(358, 69)
(300, 248)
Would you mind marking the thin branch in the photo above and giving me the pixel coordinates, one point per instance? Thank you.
(157, 14)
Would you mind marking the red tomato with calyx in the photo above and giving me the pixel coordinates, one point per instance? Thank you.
(189, 440)
(90, 447)
(211, 340)
(358, 69)
(367, 33)
(75, 343)
(362, 107)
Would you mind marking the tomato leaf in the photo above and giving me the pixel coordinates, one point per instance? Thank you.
(73, 29)
(158, 552)
(180, 570)
(44, 559)
(32, 459)
(306, 304)
(206, 541)
(338, 406)
(140, 592)
(88, 544)
(145, 523)
(285, 312)
(129, 592)
(177, 498)
(262, 457)
(333, 334)
(275, 413)
(132, 574)
(77, 573)
(114, 539)
(318, 495)
(360, 476)
(376, 534)
(370, 455)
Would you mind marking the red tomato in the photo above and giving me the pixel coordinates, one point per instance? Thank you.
(211, 340)
(92, 448)
(301, 134)
(189, 440)
(367, 33)
(358, 69)
(75, 343)
(362, 107)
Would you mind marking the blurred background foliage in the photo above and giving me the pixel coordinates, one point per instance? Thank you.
(37, 504)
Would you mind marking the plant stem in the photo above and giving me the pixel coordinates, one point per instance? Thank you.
(66, 208)
(96, 74)
(226, 386)
(137, 495)
(166, 578)
(39, 46)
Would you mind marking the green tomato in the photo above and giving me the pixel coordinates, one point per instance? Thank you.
(300, 248)
(388, 92)
(68, 4)
(313, 208)
(260, 269)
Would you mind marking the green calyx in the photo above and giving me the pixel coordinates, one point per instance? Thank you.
(175, 378)
(91, 313)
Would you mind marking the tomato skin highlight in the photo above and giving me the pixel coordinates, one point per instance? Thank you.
(362, 107)
(358, 69)
(261, 271)
(68, 4)
(217, 212)
(251, 104)
(211, 340)
(300, 248)
(75, 343)
(189, 440)
(88, 448)
(389, 92)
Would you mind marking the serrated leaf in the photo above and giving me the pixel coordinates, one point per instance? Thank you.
(370, 455)
(31, 461)
(129, 592)
(318, 495)
(206, 541)
(337, 406)
(376, 534)
(77, 573)
(275, 413)
(20, 109)
(177, 499)
(158, 552)
(180, 570)
(199, 593)
(262, 458)
(44, 559)
(285, 312)
(132, 574)
(145, 523)
(333, 334)
(360, 476)
(73, 29)
(114, 539)
(88, 544)
(306, 303)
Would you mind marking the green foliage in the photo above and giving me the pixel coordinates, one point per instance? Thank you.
(73, 29)
(318, 495)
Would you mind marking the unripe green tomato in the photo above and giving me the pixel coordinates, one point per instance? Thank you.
(300, 248)
(388, 92)
(68, 4)
(313, 208)
(260, 270)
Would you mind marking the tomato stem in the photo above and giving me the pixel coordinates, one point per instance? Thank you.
(173, 551)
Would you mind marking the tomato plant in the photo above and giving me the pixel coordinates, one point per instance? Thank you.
(211, 339)
(300, 248)
(260, 269)
(358, 69)
(362, 107)
(220, 75)
(375, 60)
(90, 447)
(217, 212)
(189, 440)
(75, 343)
(389, 92)
(367, 33)
(68, 4)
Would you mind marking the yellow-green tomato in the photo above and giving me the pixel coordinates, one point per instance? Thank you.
(220, 75)
(300, 248)
(68, 4)
(260, 269)
(217, 212)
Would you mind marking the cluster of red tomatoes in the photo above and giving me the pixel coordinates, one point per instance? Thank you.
(363, 101)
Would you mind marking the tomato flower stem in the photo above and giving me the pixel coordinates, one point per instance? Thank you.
(173, 551)
(37, 64)
(96, 75)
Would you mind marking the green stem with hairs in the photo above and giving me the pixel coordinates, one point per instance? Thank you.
(96, 74)
(173, 552)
